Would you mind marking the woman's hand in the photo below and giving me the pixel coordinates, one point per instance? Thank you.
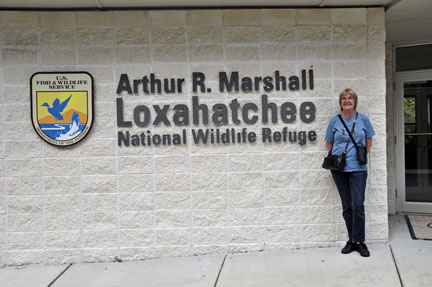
(330, 146)
(368, 144)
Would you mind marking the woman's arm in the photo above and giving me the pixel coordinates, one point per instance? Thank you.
(368, 144)
(329, 146)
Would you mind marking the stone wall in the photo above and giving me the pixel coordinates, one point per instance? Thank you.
(96, 200)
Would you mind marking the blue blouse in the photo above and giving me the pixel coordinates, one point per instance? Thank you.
(337, 134)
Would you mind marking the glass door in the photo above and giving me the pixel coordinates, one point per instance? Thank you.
(413, 122)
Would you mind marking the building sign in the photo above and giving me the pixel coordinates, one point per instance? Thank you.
(235, 113)
(62, 106)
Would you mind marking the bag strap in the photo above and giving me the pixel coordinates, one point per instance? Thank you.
(349, 133)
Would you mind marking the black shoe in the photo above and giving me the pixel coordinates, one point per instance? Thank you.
(349, 247)
(363, 250)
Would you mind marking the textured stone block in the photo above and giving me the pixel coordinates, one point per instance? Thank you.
(244, 216)
(172, 219)
(210, 217)
(278, 52)
(314, 51)
(137, 238)
(173, 200)
(98, 166)
(205, 17)
(57, 37)
(135, 165)
(25, 257)
(350, 51)
(99, 184)
(206, 53)
(241, 17)
(283, 197)
(313, 16)
(282, 215)
(168, 237)
(19, 37)
(280, 161)
(25, 222)
(351, 70)
(136, 201)
(14, 112)
(311, 160)
(97, 55)
(246, 199)
(241, 35)
(99, 202)
(94, 36)
(349, 16)
(26, 241)
(63, 239)
(60, 185)
(94, 19)
(275, 180)
(62, 256)
(317, 214)
(24, 185)
(21, 167)
(210, 236)
(313, 33)
(132, 36)
(205, 35)
(245, 235)
(208, 163)
(98, 147)
(99, 239)
(14, 94)
(245, 181)
(136, 220)
(238, 163)
(318, 233)
(208, 182)
(64, 203)
(169, 53)
(168, 35)
(172, 182)
(375, 50)
(14, 149)
(316, 178)
(135, 183)
(376, 33)
(62, 221)
(350, 33)
(242, 53)
(61, 167)
(99, 221)
(277, 17)
(282, 234)
(19, 56)
(95, 255)
(131, 18)
(25, 204)
(210, 200)
(168, 18)
(58, 57)
(18, 75)
(132, 55)
(318, 196)
(277, 34)
(171, 164)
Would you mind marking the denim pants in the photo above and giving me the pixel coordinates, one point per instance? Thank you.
(351, 187)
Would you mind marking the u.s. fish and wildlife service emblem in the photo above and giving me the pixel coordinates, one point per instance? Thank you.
(62, 106)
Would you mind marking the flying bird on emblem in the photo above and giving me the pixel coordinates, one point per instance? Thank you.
(57, 108)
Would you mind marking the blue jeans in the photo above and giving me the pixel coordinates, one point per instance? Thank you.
(351, 187)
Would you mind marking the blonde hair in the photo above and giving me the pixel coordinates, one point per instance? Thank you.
(351, 93)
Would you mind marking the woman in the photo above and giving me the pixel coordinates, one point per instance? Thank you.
(351, 182)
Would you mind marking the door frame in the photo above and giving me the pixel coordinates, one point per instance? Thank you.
(398, 120)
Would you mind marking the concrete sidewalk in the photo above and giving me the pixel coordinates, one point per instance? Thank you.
(401, 262)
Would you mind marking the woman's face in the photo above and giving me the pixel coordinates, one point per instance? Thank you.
(347, 103)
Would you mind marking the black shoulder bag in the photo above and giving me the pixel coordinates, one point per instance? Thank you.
(338, 162)
(361, 150)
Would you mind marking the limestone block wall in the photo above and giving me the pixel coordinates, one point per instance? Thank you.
(96, 200)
